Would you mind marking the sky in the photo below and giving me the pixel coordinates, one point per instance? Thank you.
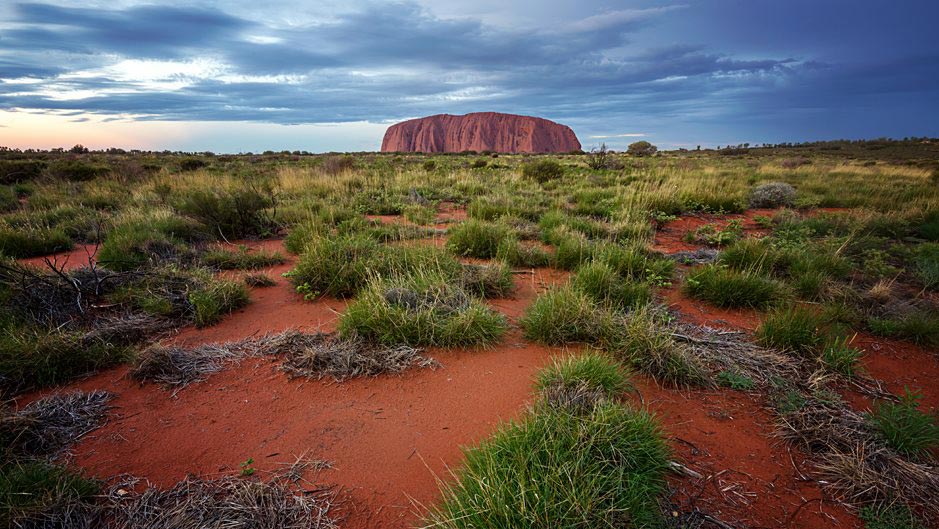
(240, 76)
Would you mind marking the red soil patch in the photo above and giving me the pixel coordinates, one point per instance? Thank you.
(670, 237)
(900, 365)
(272, 309)
(703, 313)
(73, 259)
(748, 476)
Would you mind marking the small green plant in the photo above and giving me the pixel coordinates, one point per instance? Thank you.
(735, 380)
(246, 468)
(875, 263)
(711, 235)
(904, 427)
(839, 356)
(725, 287)
(892, 516)
(795, 329)
(220, 297)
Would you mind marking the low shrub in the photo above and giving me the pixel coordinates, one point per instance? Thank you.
(904, 427)
(725, 287)
(12, 171)
(543, 170)
(421, 310)
(522, 476)
(77, 171)
(772, 195)
(230, 213)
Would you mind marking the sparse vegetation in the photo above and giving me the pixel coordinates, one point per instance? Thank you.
(904, 427)
(158, 236)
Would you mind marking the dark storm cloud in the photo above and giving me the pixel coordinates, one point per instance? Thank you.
(143, 31)
(384, 61)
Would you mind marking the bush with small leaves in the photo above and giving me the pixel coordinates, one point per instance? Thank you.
(772, 195)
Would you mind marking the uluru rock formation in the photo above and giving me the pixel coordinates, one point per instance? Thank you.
(479, 131)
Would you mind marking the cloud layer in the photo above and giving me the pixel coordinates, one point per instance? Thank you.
(632, 68)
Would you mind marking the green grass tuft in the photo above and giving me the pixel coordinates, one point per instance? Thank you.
(241, 259)
(556, 469)
(601, 282)
(592, 370)
(794, 329)
(422, 309)
(904, 427)
(217, 299)
(725, 287)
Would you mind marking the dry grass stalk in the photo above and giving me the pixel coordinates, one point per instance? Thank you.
(312, 355)
(49, 426)
(854, 463)
(225, 503)
(731, 351)
(327, 355)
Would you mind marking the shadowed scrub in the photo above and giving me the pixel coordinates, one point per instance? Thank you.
(522, 476)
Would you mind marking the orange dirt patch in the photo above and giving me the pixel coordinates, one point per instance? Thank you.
(670, 237)
(749, 478)
(75, 258)
(703, 313)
